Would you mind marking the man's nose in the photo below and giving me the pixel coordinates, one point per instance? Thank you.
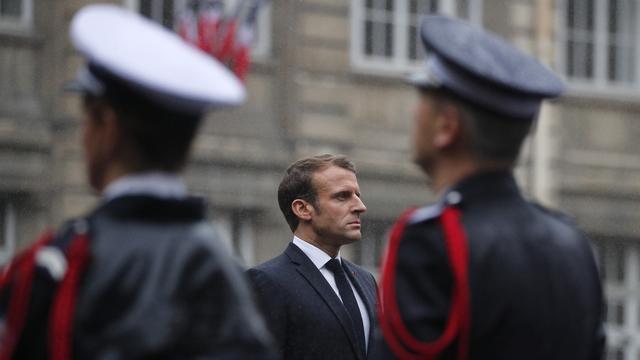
(359, 207)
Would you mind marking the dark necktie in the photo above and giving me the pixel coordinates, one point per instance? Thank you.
(349, 300)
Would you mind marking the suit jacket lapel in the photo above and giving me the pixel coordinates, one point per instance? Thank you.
(367, 294)
(308, 270)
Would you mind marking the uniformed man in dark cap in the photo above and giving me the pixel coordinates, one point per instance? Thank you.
(484, 273)
(144, 275)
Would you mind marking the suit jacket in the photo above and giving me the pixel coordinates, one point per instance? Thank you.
(534, 286)
(305, 315)
(158, 285)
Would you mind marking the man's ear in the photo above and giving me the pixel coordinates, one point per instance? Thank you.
(111, 131)
(302, 209)
(448, 127)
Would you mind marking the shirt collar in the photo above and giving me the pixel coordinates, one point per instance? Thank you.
(318, 257)
(159, 184)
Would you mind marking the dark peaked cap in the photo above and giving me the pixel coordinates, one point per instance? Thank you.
(483, 69)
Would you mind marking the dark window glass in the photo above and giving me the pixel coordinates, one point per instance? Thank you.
(388, 39)
(145, 7)
(368, 37)
(413, 6)
(389, 5)
(11, 8)
(167, 13)
(413, 42)
(368, 4)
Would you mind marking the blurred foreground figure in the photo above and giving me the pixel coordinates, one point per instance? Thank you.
(483, 273)
(143, 275)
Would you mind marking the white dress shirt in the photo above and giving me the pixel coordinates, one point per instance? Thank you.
(159, 184)
(319, 258)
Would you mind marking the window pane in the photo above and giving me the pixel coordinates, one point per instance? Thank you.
(613, 16)
(413, 7)
(570, 11)
(162, 11)
(388, 40)
(615, 262)
(378, 29)
(433, 6)
(570, 50)
(413, 42)
(389, 5)
(145, 8)
(579, 51)
(619, 314)
(368, 37)
(580, 14)
(370, 249)
(588, 60)
(167, 13)
(622, 41)
(11, 8)
(462, 8)
(590, 14)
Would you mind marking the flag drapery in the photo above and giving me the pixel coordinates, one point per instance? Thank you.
(221, 29)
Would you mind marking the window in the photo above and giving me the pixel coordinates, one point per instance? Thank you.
(8, 232)
(236, 229)
(370, 249)
(384, 33)
(15, 14)
(619, 263)
(166, 12)
(598, 42)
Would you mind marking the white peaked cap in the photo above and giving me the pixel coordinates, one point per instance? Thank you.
(126, 48)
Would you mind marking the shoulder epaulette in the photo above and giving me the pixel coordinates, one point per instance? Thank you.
(426, 213)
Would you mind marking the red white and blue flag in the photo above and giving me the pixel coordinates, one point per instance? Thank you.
(224, 32)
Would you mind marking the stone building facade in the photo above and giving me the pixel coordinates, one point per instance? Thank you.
(328, 77)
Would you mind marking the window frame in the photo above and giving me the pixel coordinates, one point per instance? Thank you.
(399, 62)
(23, 23)
(599, 84)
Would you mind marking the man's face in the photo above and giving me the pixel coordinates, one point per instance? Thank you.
(336, 215)
(424, 130)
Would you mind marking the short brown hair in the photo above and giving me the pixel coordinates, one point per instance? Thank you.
(493, 137)
(297, 182)
(155, 138)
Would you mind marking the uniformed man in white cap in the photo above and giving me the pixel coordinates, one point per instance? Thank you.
(484, 273)
(144, 274)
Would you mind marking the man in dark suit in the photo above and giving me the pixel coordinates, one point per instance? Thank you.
(484, 273)
(318, 305)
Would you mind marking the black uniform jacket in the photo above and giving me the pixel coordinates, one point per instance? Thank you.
(158, 285)
(305, 315)
(534, 286)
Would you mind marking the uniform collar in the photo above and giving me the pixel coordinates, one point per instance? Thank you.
(477, 187)
(318, 257)
(158, 184)
(486, 184)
